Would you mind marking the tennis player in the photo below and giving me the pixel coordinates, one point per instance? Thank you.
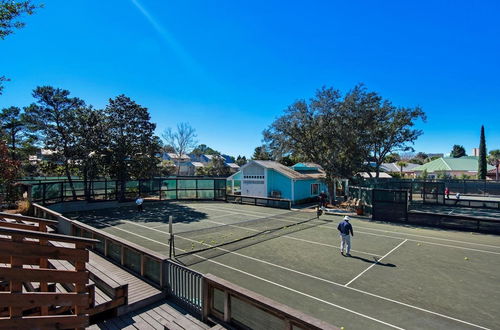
(345, 228)
(139, 202)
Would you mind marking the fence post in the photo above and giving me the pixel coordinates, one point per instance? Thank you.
(43, 193)
(159, 188)
(205, 299)
(227, 306)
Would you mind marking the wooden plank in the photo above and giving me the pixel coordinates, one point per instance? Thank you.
(28, 300)
(8, 224)
(55, 237)
(26, 218)
(25, 260)
(22, 250)
(40, 275)
(45, 322)
(15, 286)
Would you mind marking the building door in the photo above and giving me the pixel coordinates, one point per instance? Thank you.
(253, 188)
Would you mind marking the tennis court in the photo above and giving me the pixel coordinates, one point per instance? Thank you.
(398, 276)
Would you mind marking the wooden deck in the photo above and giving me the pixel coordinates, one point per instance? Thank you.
(140, 293)
(161, 315)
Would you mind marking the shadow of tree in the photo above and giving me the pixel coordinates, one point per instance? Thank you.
(153, 212)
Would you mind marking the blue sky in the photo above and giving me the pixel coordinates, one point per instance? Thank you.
(229, 68)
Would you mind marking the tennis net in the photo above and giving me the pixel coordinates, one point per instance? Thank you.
(221, 239)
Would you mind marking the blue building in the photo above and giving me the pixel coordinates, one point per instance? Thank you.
(265, 178)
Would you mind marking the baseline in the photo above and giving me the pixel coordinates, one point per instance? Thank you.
(376, 262)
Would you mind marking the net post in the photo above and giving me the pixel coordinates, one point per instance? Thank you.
(171, 237)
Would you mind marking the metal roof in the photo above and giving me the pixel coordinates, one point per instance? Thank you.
(466, 163)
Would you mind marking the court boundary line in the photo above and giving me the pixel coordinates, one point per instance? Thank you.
(409, 239)
(387, 231)
(312, 276)
(437, 238)
(266, 280)
(367, 269)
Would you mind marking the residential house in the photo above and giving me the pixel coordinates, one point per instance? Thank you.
(265, 178)
(189, 163)
(182, 162)
(494, 174)
(452, 167)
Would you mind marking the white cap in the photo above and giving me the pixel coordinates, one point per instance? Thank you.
(346, 218)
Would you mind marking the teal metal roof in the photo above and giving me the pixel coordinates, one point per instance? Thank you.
(466, 163)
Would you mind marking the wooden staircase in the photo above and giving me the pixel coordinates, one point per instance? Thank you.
(48, 280)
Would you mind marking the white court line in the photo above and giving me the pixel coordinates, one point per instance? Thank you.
(389, 231)
(376, 262)
(430, 237)
(318, 278)
(263, 279)
(254, 230)
(216, 217)
(431, 243)
(412, 240)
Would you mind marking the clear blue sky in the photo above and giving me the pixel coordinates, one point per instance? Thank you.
(230, 67)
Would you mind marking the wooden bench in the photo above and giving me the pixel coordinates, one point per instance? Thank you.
(108, 293)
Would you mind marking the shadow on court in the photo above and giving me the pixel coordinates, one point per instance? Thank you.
(372, 261)
(156, 212)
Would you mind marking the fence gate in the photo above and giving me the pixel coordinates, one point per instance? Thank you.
(390, 205)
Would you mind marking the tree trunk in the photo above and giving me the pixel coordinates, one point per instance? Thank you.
(86, 185)
(70, 180)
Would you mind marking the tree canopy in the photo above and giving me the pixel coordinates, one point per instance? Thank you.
(458, 151)
(262, 153)
(493, 156)
(182, 140)
(342, 133)
(203, 149)
(133, 146)
(53, 115)
(482, 164)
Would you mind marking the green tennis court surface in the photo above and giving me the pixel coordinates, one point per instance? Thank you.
(457, 210)
(424, 278)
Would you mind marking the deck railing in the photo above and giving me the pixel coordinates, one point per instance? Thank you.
(137, 259)
(26, 252)
(185, 286)
(237, 307)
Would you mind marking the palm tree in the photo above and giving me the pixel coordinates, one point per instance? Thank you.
(401, 164)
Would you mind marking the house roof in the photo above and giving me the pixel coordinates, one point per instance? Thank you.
(197, 164)
(174, 156)
(307, 166)
(466, 163)
(394, 167)
(233, 165)
(287, 171)
(381, 175)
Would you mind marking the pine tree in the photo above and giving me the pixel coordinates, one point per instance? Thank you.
(482, 169)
